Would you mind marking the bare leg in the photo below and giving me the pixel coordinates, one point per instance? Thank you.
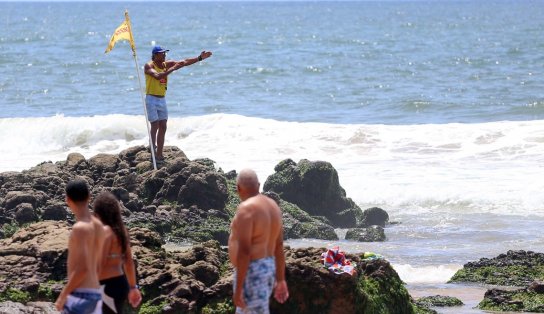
(154, 129)
(160, 137)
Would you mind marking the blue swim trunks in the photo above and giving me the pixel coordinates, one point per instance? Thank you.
(258, 286)
(156, 108)
(83, 301)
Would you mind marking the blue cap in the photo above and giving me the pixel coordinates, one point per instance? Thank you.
(158, 49)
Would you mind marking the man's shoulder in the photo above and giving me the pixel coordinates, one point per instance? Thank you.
(82, 228)
(88, 227)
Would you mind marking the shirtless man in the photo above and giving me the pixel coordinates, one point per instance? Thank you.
(81, 294)
(256, 248)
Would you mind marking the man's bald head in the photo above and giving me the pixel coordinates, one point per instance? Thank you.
(247, 180)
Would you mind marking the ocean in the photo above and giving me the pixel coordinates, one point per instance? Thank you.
(431, 110)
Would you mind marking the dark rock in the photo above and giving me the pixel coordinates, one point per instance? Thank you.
(56, 211)
(74, 159)
(515, 268)
(128, 181)
(376, 287)
(370, 234)
(146, 238)
(121, 194)
(200, 276)
(439, 301)
(536, 286)
(128, 155)
(205, 190)
(15, 198)
(299, 224)
(315, 188)
(103, 163)
(374, 216)
(25, 213)
(205, 272)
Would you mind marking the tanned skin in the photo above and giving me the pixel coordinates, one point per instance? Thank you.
(84, 250)
(158, 128)
(256, 232)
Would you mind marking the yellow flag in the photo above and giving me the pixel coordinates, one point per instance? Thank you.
(123, 32)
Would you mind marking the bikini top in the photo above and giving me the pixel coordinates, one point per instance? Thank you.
(116, 255)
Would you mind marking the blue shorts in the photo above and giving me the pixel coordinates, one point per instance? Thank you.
(83, 301)
(156, 108)
(258, 286)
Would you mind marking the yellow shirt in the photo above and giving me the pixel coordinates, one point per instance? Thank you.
(154, 86)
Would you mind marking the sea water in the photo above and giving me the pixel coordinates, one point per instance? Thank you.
(431, 110)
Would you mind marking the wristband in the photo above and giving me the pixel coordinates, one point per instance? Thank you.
(199, 58)
(135, 287)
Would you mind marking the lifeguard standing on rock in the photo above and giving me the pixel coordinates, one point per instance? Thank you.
(156, 81)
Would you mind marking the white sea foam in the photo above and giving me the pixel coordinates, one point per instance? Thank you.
(487, 167)
(426, 274)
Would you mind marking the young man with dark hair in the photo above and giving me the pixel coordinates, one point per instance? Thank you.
(81, 294)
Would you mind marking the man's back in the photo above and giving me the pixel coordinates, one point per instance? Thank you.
(84, 251)
(266, 226)
(256, 248)
(258, 220)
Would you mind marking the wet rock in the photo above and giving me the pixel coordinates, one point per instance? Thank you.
(315, 188)
(299, 224)
(521, 300)
(370, 234)
(515, 268)
(374, 216)
(376, 287)
(439, 301)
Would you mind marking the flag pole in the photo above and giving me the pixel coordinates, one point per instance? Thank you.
(141, 91)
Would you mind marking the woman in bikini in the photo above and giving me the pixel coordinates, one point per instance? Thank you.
(117, 271)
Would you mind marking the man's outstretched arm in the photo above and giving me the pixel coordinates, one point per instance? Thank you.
(182, 63)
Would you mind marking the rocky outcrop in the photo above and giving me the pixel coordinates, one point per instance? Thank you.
(439, 301)
(370, 234)
(375, 288)
(315, 188)
(374, 216)
(197, 279)
(190, 201)
(520, 300)
(34, 256)
(299, 224)
(175, 201)
(33, 268)
(515, 268)
(184, 200)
